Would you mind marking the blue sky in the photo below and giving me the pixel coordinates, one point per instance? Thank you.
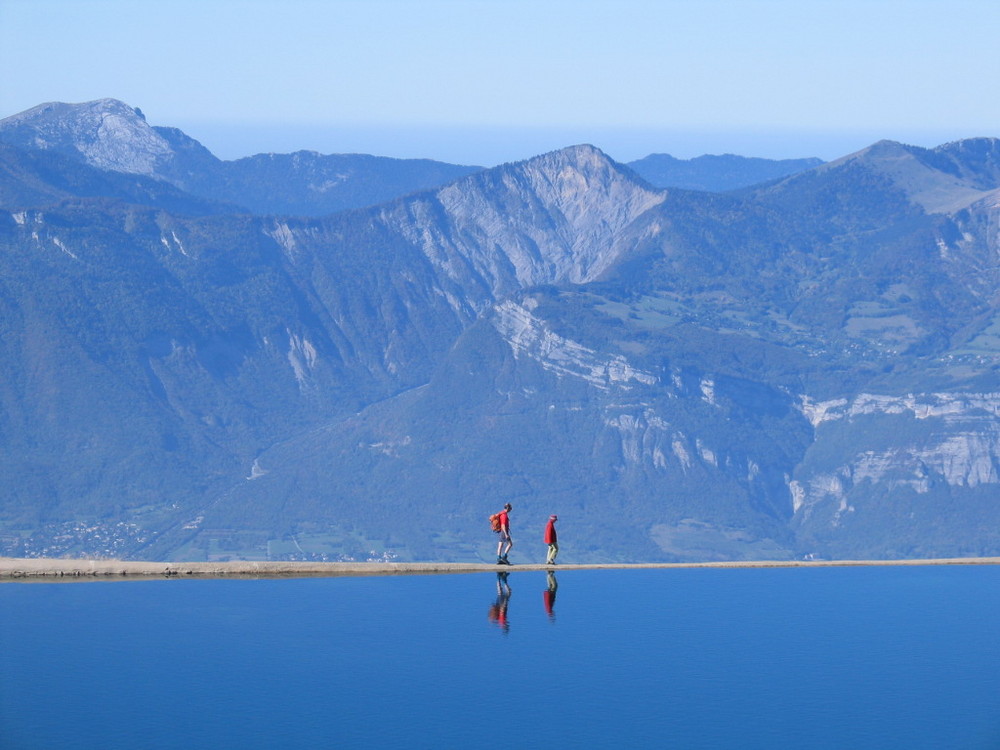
(488, 81)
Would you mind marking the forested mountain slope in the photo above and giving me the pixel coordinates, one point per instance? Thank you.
(805, 368)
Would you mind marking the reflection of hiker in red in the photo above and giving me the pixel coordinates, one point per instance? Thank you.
(498, 610)
(549, 595)
(552, 540)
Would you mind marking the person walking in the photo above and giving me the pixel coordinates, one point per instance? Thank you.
(506, 540)
(551, 539)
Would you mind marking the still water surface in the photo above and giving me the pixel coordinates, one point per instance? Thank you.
(697, 658)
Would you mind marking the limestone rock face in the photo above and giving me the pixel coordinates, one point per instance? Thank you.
(552, 219)
(906, 446)
(530, 337)
(107, 134)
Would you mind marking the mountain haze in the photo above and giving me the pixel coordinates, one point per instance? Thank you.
(808, 367)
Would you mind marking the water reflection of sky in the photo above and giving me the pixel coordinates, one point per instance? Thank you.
(829, 658)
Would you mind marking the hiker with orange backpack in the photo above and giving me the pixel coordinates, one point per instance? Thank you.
(506, 541)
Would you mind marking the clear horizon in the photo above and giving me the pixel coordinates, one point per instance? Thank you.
(483, 82)
(489, 147)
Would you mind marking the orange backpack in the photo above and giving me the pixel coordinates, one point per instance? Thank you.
(495, 522)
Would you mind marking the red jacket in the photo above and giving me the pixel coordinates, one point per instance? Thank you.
(550, 532)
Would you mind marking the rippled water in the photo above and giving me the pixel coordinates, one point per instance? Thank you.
(696, 658)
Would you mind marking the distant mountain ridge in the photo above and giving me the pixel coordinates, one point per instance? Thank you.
(804, 368)
(716, 174)
(942, 180)
(110, 135)
(34, 178)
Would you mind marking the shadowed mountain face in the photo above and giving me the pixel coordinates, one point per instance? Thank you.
(805, 368)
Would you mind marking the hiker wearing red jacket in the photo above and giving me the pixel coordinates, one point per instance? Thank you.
(506, 541)
(551, 539)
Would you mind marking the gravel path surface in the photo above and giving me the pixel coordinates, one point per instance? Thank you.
(73, 569)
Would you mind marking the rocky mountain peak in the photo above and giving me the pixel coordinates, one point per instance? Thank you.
(105, 133)
(578, 179)
(878, 151)
(557, 217)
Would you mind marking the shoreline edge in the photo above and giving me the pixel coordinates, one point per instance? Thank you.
(79, 569)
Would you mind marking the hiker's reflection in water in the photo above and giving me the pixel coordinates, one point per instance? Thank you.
(498, 610)
(549, 595)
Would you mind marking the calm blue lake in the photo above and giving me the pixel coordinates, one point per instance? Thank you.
(699, 658)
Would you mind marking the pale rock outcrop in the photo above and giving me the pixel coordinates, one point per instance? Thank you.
(961, 448)
(302, 358)
(560, 221)
(529, 336)
(107, 133)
